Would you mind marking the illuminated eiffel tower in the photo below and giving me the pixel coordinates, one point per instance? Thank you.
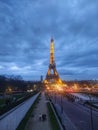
(52, 75)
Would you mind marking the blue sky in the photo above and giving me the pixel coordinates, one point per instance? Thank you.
(26, 27)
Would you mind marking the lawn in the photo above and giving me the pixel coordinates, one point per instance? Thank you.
(52, 117)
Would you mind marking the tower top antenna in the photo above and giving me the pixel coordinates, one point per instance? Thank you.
(52, 40)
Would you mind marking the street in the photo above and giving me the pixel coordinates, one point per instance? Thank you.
(80, 115)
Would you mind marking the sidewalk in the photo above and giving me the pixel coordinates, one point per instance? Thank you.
(34, 123)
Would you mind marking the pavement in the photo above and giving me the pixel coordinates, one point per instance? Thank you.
(41, 108)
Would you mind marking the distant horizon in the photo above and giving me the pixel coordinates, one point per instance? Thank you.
(8, 76)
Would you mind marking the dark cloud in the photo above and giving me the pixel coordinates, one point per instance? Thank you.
(27, 26)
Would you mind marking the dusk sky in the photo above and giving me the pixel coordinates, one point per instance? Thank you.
(26, 28)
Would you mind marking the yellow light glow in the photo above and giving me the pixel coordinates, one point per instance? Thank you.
(75, 86)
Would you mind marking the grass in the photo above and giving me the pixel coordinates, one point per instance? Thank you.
(20, 98)
(94, 94)
(92, 105)
(2, 101)
(52, 117)
(23, 123)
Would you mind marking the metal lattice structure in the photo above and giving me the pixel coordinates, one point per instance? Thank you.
(52, 75)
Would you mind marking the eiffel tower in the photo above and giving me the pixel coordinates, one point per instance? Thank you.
(52, 75)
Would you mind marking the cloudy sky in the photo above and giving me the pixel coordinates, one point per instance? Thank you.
(26, 27)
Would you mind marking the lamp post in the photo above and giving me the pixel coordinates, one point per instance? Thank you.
(55, 97)
(91, 114)
(61, 104)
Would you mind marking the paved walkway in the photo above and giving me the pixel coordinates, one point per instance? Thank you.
(34, 123)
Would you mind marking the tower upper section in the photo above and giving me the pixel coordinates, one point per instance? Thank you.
(52, 51)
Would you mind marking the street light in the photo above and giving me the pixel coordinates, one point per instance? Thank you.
(61, 104)
(55, 96)
(91, 114)
(60, 91)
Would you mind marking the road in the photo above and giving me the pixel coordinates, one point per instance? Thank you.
(78, 114)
